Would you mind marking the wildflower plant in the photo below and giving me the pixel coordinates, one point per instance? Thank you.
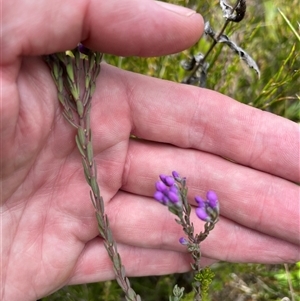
(74, 73)
(171, 191)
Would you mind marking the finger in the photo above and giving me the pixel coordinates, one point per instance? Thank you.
(191, 117)
(131, 27)
(251, 198)
(157, 229)
(137, 262)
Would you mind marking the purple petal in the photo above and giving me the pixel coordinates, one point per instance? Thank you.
(169, 181)
(174, 189)
(174, 198)
(165, 200)
(200, 201)
(202, 214)
(158, 195)
(175, 174)
(183, 241)
(160, 186)
(163, 177)
(212, 199)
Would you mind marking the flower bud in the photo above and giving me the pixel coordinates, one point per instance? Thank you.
(183, 241)
(212, 199)
(158, 195)
(173, 197)
(202, 214)
(175, 174)
(160, 186)
(200, 201)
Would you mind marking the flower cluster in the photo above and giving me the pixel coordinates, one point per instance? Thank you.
(172, 192)
(167, 190)
(208, 210)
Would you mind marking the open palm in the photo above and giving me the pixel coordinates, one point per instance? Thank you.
(50, 235)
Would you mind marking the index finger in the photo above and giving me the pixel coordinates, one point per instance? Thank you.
(191, 117)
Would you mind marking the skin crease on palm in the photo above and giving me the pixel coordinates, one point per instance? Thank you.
(49, 233)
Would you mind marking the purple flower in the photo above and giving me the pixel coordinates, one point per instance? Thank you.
(167, 191)
(158, 195)
(202, 214)
(183, 241)
(175, 174)
(173, 197)
(208, 210)
(177, 178)
(174, 189)
(160, 186)
(200, 201)
(168, 180)
(212, 199)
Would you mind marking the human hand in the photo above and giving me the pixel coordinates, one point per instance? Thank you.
(50, 236)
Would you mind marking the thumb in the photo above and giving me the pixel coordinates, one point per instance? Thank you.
(145, 28)
(132, 27)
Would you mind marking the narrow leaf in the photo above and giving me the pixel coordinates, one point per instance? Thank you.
(240, 52)
(116, 261)
(289, 24)
(80, 108)
(86, 171)
(61, 99)
(81, 136)
(79, 146)
(89, 150)
(70, 71)
(131, 294)
(95, 186)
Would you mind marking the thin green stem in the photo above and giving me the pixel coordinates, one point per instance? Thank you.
(67, 73)
(194, 240)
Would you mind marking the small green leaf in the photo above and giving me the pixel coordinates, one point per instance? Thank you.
(81, 136)
(87, 81)
(61, 99)
(131, 294)
(80, 108)
(79, 146)
(117, 261)
(86, 171)
(292, 28)
(95, 186)
(70, 71)
(55, 70)
(89, 150)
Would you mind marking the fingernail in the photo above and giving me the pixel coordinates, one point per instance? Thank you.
(181, 10)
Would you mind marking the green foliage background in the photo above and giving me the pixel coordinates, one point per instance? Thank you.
(264, 34)
(270, 40)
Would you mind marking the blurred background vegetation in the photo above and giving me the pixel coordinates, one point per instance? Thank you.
(264, 34)
(267, 35)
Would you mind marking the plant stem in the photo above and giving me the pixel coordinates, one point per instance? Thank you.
(71, 72)
(215, 38)
(194, 240)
